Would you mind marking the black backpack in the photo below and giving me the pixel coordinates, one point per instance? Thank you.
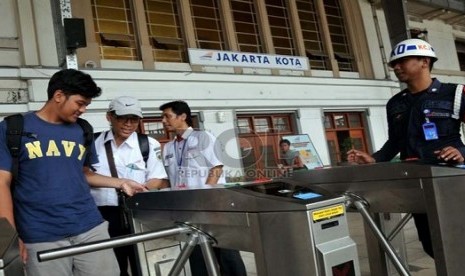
(143, 144)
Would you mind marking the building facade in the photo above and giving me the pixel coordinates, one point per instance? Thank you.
(252, 70)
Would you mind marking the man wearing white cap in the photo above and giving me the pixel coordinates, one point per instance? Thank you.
(124, 147)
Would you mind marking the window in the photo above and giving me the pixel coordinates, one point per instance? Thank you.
(259, 136)
(114, 29)
(324, 32)
(341, 46)
(207, 24)
(460, 46)
(280, 27)
(244, 125)
(164, 30)
(344, 131)
(153, 127)
(321, 30)
(261, 124)
(311, 33)
(282, 123)
(340, 120)
(265, 124)
(246, 26)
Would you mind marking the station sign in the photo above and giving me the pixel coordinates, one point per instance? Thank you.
(240, 59)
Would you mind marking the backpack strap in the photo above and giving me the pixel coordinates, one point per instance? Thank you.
(14, 132)
(144, 146)
(88, 131)
(88, 137)
(97, 134)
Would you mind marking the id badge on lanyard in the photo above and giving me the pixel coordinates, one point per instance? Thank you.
(181, 181)
(430, 131)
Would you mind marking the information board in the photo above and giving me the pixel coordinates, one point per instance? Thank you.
(307, 152)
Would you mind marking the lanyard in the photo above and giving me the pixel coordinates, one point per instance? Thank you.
(179, 159)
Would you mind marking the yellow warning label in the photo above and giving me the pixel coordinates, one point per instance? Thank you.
(328, 213)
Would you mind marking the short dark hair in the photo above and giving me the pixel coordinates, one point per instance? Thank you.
(179, 107)
(73, 82)
(284, 141)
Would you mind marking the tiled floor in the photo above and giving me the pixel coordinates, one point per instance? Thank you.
(420, 264)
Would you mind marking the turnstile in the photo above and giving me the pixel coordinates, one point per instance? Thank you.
(292, 230)
(438, 191)
(10, 261)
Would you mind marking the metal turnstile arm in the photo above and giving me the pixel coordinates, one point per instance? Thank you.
(184, 255)
(197, 237)
(399, 226)
(361, 206)
(52, 254)
(208, 255)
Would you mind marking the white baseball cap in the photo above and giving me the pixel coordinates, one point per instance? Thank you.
(126, 105)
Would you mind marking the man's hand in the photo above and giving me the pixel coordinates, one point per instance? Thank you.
(131, 187)
(359, 157)
(22, 251)
(449, 154)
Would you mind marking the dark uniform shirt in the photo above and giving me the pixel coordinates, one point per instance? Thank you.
(406, 114)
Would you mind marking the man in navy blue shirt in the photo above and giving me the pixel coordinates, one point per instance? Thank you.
(423, 119)
(51, 205)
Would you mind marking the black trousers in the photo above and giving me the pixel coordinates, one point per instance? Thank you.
(229, 260)
(424, 235)
(112, 214)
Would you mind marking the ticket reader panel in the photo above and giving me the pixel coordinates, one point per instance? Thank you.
(336, 251)
(328, 240)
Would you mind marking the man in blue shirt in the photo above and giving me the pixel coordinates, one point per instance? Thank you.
(51, 205)
(423, 119)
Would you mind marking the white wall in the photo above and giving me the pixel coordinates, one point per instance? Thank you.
(440, 36)
(210, 94)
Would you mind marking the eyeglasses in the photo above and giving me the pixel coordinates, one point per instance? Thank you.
(126, 118)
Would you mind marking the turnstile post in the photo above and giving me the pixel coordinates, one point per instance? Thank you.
(209, 256)
(362, 208)
(184, 255)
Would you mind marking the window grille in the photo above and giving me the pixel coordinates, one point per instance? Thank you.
(246, 26)
(311, 33)
(164, 30)
(114, 29)
(340, 42)
(280, 27)
(207, 24)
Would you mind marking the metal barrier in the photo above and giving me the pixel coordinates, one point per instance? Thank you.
(292, 230)
(406, 187)
(10, 261)
(363, 208)
(196, 237)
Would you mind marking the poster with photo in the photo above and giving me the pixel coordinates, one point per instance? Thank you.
(307, 152)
